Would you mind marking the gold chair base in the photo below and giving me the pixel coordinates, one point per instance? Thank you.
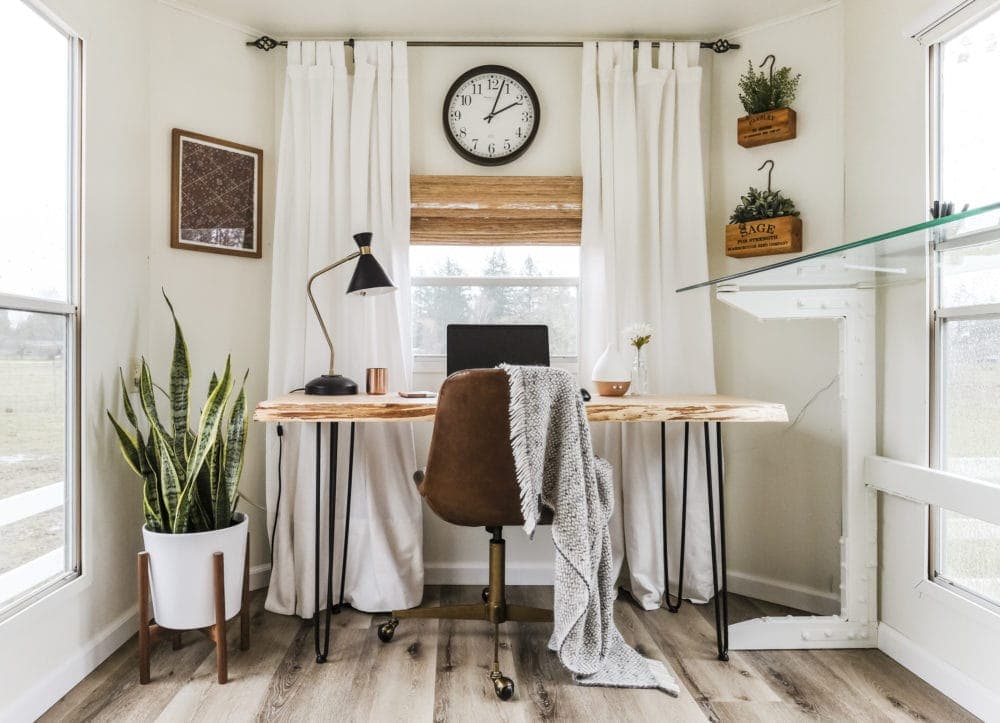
(494, 609)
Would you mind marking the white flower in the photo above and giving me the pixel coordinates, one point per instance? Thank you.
(638, 335)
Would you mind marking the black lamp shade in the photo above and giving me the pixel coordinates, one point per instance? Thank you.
(369, 276)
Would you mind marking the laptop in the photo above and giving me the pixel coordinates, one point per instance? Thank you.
(483, 346)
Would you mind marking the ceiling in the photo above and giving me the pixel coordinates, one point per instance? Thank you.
(520, 19)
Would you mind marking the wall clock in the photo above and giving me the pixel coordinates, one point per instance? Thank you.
(491, 115)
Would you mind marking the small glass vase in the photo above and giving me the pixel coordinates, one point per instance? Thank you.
(640, 374)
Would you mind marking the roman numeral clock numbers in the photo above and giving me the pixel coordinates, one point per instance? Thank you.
(491, 115)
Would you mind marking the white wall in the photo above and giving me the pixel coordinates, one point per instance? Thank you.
(886, 186)
(47, 647)
(204, 79)
(783, 485)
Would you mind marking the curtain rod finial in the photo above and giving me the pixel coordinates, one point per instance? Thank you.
(266, 43)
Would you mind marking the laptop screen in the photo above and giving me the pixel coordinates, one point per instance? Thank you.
(483, 346)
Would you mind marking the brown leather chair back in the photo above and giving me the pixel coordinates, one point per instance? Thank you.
(470, 478)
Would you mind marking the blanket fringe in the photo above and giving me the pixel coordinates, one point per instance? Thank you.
(517, 414)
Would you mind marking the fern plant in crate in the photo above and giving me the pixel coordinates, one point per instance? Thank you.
(764, 222)
(767, 100)
(190, 481)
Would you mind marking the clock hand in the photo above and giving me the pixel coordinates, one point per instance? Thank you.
(506, 107)
(489, 118)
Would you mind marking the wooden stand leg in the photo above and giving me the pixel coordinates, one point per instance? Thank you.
(245, 609)
(220, 618)
(143, 570)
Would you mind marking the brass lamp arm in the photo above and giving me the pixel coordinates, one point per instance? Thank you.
(319, 317)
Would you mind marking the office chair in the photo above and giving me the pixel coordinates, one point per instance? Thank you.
(470, 480)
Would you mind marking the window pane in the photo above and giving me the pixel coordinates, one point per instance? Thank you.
(34, 146)
(495, 261)
(970, 554)
(434, 307)
(32, 450)
(970, 105)
(970, 275)
(970, 549)
(972, 398)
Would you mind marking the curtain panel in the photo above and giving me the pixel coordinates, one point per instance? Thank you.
(343, 167)
(644, 231)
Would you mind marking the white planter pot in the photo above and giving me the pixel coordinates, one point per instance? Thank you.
(181, 575)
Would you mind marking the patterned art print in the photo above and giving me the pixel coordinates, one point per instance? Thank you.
(216, 195)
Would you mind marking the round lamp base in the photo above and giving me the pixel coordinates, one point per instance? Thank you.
(329, 385)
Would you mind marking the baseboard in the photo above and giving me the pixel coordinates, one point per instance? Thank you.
(968, 693)
(47, 691)
(260, 576)
(453, 573)
(801, 597)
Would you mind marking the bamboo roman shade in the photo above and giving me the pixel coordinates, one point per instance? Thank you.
(495, 210)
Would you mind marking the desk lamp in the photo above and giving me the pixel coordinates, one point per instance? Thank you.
(369, 278)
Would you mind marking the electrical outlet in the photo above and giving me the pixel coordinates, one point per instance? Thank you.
(135, 371)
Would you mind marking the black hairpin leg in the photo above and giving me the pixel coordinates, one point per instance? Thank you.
(321, 653)
(724, 647)
(721, 606)
(347, 520)
(684, 504)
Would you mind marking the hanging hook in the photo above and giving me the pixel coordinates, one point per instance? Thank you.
(769, 171)
(770, 71)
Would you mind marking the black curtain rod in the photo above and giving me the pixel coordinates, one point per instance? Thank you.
(266, 43)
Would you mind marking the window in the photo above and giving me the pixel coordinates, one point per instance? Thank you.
(966, 552)
(494, 250)
(39, 335)
(482, 284)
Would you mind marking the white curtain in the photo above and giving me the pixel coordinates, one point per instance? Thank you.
(644, 232)
(343, 167)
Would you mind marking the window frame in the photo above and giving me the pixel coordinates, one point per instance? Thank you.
(71, 311)
(940, 315)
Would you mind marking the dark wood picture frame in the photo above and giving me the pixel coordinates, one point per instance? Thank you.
(179, 138)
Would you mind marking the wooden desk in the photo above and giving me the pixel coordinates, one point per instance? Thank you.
(363, 408)
(299, 407)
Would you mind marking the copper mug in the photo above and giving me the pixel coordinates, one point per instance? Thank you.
(377, 380)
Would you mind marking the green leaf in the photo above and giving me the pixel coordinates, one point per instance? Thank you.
(180, 385)
(148, 401)
(126, 401)
(151, 505)
(170, 486)
(208, 427)
(232, 459)
(128, 445)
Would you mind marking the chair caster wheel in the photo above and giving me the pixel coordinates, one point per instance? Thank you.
(386, 630)
(504, 687)
(486, 594)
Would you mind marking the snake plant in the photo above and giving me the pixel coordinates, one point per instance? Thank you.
(190, 477)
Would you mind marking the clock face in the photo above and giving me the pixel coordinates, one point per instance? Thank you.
(491, 115)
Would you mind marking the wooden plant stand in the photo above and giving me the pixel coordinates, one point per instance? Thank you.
(150, 633)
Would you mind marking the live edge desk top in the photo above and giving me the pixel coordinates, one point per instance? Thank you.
(299, 407)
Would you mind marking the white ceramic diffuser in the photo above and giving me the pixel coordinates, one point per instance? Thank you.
(612, 373)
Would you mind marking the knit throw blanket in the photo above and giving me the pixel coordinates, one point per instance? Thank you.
(556, 467)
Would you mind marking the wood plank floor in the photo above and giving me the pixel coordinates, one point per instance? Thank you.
(437, 670)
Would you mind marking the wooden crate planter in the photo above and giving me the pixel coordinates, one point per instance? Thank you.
(782, 235)
(768, 127)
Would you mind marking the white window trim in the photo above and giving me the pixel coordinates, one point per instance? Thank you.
(71, 311)
(949, 491)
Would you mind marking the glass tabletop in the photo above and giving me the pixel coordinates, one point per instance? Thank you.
(893, 257)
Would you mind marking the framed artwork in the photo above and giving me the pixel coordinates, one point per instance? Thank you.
(215, 195)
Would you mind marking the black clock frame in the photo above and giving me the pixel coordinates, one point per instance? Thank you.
(500, 70)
